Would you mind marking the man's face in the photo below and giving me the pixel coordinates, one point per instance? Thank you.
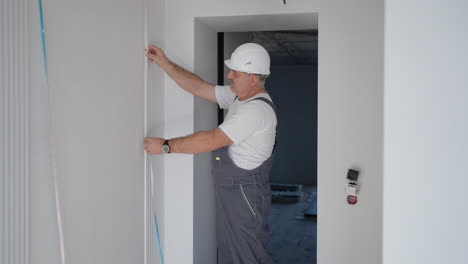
(241, 82)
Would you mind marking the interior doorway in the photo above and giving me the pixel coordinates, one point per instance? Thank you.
(206, 39)
(293, 88)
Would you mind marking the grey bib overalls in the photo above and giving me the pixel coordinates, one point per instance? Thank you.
(243, 200)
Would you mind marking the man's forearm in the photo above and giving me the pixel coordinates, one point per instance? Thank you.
(185, 79)
(203, 141)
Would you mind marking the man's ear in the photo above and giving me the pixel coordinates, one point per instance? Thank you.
(255, 80)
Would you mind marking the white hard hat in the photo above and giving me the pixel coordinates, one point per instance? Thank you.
(250, 58)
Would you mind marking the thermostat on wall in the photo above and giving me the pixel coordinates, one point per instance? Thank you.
(352, 186)
(353, 175)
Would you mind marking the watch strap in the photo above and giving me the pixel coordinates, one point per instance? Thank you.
(166, 143)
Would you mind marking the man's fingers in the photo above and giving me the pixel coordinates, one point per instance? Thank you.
(152, 49)
(151, 57)
(155, 51)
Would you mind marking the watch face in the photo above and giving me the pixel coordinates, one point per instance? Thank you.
(165, 148)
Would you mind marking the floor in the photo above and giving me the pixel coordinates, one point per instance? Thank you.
(293, 236)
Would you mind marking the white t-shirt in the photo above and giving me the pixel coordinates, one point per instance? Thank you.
(250, 125)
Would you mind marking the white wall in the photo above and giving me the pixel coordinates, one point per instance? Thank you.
(96, 79)
(350, 118)
(350, 130)
(96, 56)
(205, 117)
(96, 70)
(426, 128)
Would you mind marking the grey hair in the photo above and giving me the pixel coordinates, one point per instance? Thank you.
(262, 78)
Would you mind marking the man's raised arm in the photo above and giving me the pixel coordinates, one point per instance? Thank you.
(187, 80)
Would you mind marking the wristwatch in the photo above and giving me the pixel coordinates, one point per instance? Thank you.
(165, 147)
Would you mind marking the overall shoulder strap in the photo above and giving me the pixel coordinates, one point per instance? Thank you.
(269, 102)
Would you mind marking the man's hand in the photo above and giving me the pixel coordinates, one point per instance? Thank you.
(153, 145)
(155, 54)
(189, 81)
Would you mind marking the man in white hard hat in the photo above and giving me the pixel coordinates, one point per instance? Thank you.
(243, 149)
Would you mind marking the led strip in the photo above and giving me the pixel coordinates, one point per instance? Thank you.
(154, 216)
(52, 145)
(146, 158)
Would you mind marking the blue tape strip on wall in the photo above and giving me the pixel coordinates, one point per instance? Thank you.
(44, 49)
(159, 240)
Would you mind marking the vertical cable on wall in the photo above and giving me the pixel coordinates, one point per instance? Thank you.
(14, 119)
(154, 126)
